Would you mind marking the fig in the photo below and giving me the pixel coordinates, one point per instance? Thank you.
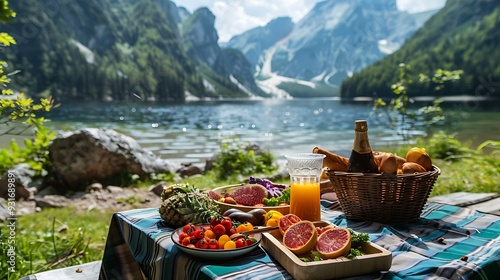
(243, 217)
(258, 214)
(229, 211)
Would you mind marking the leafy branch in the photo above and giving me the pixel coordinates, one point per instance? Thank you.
(20, 111)
(397, 110)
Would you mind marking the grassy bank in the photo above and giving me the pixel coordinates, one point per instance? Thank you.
(56, 238)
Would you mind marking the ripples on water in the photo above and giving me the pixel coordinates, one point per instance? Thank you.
(191, 132)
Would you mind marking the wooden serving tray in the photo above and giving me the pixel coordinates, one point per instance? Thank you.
(374, 259)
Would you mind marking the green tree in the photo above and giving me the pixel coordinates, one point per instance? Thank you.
(463, 35)
(17, 109)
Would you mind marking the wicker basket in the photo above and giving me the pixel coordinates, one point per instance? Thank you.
(383, 198)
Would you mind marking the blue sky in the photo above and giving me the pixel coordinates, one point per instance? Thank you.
(236, 16)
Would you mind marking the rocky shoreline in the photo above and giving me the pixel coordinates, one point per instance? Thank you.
(88, 167)
(96, 198)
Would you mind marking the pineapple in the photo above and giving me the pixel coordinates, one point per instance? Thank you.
(182, 204)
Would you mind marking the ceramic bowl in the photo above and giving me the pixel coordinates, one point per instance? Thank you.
(215, 254)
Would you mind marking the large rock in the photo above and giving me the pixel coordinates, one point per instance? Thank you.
(82, 157)
(19, 182)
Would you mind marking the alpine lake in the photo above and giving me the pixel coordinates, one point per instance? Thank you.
(192, 132)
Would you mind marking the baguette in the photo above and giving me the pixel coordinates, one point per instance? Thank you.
(331, 162)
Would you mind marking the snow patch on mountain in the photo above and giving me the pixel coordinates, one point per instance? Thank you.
(88, 53)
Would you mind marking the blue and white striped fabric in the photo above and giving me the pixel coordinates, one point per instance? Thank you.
(448, 242)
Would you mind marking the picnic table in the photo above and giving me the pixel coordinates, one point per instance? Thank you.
(449, 242)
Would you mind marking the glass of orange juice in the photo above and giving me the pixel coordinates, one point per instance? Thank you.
(305, 172)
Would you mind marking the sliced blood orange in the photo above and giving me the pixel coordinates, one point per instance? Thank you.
(325, 228)
(334, 242)
(300, 237)
(286, 221)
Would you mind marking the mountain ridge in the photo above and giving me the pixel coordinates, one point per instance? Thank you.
(155, 50)
(463, 35)
(113, 50)
(331, 42)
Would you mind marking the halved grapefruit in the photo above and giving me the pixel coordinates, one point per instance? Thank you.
(286, 221)
(334, 242)
(300, 237)
(324, 228)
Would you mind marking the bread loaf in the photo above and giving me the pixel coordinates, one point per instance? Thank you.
(388, 164)
(332, 161)
(412, 168)
(379, 155)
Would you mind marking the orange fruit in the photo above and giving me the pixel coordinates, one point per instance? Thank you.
(334, 242)
(300, 237)
(420, 156)
(272, 223)
(286, 221)
(320, 230)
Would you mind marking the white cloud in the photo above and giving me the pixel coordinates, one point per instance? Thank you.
(232, 18)
(413, 6)
(236, 16)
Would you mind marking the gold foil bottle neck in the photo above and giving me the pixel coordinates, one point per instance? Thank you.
(361, 142)
(361, 159)
(360, 126)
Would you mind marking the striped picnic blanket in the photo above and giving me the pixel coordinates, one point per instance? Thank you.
(448, 242)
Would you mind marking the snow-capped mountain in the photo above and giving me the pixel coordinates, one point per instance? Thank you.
(334, 40)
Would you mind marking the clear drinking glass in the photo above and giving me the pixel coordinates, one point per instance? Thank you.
(305, 172)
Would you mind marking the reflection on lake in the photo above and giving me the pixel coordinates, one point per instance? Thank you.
(191, 132)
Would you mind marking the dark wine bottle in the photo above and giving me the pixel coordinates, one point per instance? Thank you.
(361, 159)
